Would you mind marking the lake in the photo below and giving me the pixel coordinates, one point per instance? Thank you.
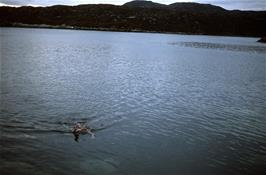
(160, 104)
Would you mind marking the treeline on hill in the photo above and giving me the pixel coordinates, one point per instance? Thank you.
(190, 18)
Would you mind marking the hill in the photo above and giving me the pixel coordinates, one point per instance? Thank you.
(189, 18)
(196, 7)
(144, 4)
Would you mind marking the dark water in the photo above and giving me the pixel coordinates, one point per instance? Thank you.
(160, 104)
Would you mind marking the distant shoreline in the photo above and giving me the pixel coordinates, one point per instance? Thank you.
(46, 26)
(67, 27)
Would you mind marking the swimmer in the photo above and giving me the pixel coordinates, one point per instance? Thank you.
(81, 129)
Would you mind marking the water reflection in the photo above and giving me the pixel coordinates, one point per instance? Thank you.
(157, 108)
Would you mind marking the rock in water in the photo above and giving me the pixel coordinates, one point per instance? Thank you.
(262, 40)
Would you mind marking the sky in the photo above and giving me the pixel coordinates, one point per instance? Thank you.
(227, 4)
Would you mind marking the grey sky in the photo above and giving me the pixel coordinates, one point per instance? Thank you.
(228, 4)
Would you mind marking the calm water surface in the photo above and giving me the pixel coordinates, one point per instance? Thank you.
(161, 104)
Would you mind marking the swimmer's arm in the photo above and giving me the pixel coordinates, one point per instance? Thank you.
(92, 134)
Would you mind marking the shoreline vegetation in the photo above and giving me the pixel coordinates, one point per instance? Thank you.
(46, 26)
(140, 16)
